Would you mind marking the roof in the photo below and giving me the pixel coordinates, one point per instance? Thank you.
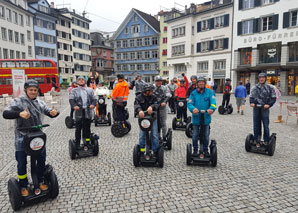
(18, 6)
(150, 19)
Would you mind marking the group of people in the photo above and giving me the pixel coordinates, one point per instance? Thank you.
(151, 99)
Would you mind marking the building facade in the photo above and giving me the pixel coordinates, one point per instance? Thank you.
(265, 39)
(16, 25)
(199, 42)
(136, 44)
(64, 45)
(102, 55)
(163, 51)
(44, 30)
(81, 42)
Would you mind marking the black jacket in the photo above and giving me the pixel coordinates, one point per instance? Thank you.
(189, 91)
(143, 102)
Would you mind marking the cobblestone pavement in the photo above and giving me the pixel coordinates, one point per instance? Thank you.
(241, 182)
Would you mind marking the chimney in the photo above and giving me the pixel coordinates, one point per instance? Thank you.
(84, 13)
(74, 11)
(52, 5)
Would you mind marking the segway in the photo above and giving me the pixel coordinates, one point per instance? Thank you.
(34, 144)
(225, 110)
(148, 158)
(259, 146)
(86, 149)
(189, 130)
(120, 128)
(165, 142)
(178, 123)
(70, 122)
(102, 121)
(201, 158)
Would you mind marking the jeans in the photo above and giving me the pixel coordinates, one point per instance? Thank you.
(182, 112)
(153, 136)
(226, 100)
(163, 120)
(102, 109)
(85, 125)
(261, 115)
(172, 103)
(71, 112)
(195, 138)
(21, 158)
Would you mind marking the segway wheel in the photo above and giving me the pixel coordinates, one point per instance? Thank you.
(174, 124)
(230, 109)
(136, 155)
(14, 193)
(247, 142)
(128, 127)
(221, 110)
(188, 130)
(169, 139)
(95, 122)
(109, 119)
(72, 149)
(96, 148)
(213, 150)
(69, 122)
(54, 185)
(188, 154)
(117, 130)
(189, 119)
(160, 157)
(271, 146)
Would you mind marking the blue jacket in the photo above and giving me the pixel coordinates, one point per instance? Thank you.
(240, 92)
(201, 101)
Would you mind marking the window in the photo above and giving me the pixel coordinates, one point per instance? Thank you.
(219, 21)
(4, 33)
(147, 54)
(135, 18)
(165, 29)
(8, 13)
(118, 56)
(139, 55)
(39, 22)
(146, 41)
(178, 50)
(164, 52)
(179, 68)
(132, 67)
(15, 16)
(293, 51)
(177, 32)
(248, 4)
(18, 55)
(154, 41)
(132, 43)
(218, 44)
(28, 35)
(269, 53)
(146, 66)
(124, 44)
(245, 56)
(132, 55)
(51, 40)
(164, 64)
(27, 20)
(205, 46)
(267, 2)
(294, 17)
(219, 65)
(135, 29)
(16, 37)
(139, 42)
(146, 28)
(267, 23)
(247, 27)
(29, 50)
(2, 12)
(164, 40)
(40, 51)
(10, 35)
(5, 53)
(118, 44)
(39, 36)
(43, 9)
(202, 67)
(126, 30)
(11, 54)
(125, 56)
(22, 39)
(206, 25)
(21, 18)
(154, 54)
(139, 67)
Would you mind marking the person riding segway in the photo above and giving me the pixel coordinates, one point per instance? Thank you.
(202, 104)
(83, 101)
(225, 107)
(172, 86)
(69, 121)
(262, 97)
(163, 94)
(148, 151)
(121, 126)
(27, 111)
(102, 117)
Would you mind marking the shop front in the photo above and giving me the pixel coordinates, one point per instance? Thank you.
(219, 79)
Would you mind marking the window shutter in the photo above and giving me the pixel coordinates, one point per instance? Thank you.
(257, 3)
(226, 43)
(45, 51)
(239, 30)
(275, 22)
(226, 20)
(211, 45)
(211, 23)
(45, 37)
(286, 22)
(198, 47)
(54, 40)
(35, 35)
(240, 4)
(36, 51)
(256, 25)
(199, 26)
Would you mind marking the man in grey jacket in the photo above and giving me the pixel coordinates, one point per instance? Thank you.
(172, 86)
(83, 101)
(27, 111)
(163, 94)
(139, 84)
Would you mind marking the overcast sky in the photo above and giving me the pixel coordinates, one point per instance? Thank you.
(107, 15)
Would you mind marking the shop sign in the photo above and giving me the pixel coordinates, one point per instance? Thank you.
(270, 37)
(271, 52)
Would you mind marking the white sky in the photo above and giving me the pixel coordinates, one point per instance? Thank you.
(102, 11)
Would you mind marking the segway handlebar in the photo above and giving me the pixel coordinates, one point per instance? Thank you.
(259, 105)
(33, 127)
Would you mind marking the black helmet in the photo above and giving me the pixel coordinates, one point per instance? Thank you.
(148, 87)
(262, 74)
(228, 79)
(181, 80)
(201, 78)
(31, 83)
(194, 76)
(120, 76)
(158, 78)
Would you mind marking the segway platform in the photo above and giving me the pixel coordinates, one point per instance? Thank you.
(85, 149)
(258, 146)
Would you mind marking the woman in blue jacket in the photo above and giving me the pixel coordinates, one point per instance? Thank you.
(201, 99)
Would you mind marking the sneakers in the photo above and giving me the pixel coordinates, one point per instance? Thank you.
(43, 186)
(195, 153)
(24, 192)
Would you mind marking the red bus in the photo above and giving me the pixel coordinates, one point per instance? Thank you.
(43, 71)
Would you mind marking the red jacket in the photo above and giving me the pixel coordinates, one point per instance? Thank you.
(181, 91)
